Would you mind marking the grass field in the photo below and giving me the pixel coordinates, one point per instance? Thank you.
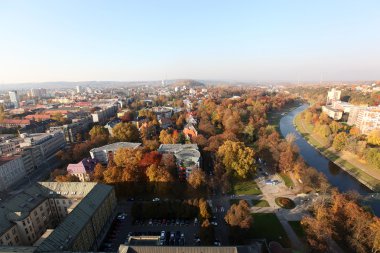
(246, 188)
(266, 225)
(259, 203)
(287, 180)
(353, 170)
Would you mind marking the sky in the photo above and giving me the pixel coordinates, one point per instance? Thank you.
(293, 40)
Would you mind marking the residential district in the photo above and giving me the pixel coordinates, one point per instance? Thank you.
(182, 166)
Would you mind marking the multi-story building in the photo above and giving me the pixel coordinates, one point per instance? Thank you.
(105, 114)
(11, 123)
(37, 93)
(333, 95)
(163, 112)
(72, 130)
(13, 96)
(105, 153)
(48, 144)
(11, 170)
(366, 119)
(187, 156)
(332, 113)
(53, 217)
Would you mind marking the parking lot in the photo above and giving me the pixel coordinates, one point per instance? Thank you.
(178, 232)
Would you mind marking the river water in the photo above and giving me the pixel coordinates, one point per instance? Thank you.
(335, 175)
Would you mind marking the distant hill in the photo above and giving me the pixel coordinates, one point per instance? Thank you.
(189, 83)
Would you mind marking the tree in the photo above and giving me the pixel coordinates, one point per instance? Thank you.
(238, 158)
(374, 137)
(99, 135)
(157, 173)
(204, 209)
(197, 178)
(127, 117)
(287, 159)
(340, 141)
(166, 137)
(239, 215)
(129, 160)
(2, 113)
(318, 229)
(126, 132)
(98, 175)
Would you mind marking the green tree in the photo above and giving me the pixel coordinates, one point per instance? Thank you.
(340, 141)
(238, 158)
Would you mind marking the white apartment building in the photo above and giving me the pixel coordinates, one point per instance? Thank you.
(11, 170)
(366, 119)
(102, 116)
(333, 95)
(47, 144)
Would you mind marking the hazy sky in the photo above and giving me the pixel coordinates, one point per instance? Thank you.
(82, 40)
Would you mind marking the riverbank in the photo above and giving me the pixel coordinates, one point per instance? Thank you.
(355, 171)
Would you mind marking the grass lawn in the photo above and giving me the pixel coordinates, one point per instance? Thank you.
(266, 225)
(297, 228)
(246, 188)
(287, 180)
(234, 201)
(259, 203)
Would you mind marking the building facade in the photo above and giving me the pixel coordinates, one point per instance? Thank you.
(11, 170)
(55, 216)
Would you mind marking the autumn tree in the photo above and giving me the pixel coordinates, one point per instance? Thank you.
(238, 158)
(98, 175)
(239, 219)
(129, 161)
(197, 178)
(204, 209)
(156, 173)
(127, 132)
(99, 135)
(2, 113)
(340, 141)
(374, 137)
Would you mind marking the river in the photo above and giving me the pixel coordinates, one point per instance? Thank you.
(335, 175)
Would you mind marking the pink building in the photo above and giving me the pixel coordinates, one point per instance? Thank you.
(83, 169)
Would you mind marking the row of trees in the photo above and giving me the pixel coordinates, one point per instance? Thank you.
(343, 137)
(340, 217)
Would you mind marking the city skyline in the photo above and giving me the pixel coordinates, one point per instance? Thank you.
(130, 41)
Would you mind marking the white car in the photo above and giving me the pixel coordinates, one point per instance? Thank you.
(156, 199)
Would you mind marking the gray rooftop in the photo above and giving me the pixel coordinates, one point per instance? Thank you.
(117, 145)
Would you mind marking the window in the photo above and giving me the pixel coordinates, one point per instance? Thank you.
(26, 231)
(1, 242)
(7, 236)
(35, 213)
(41, 208)
(38, 219)
(29, 238)
(16, 239)
(63, 202)
(23, 223)
(13, 231)
(46, 203)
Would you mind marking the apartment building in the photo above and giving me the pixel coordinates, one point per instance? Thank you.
(71, 131)
(47, 144)
(104, 153)
(11, 170)
(187, 156)
(366, 119)
(105, 114)
(332, 113)
(52, 216)
(333, 95)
